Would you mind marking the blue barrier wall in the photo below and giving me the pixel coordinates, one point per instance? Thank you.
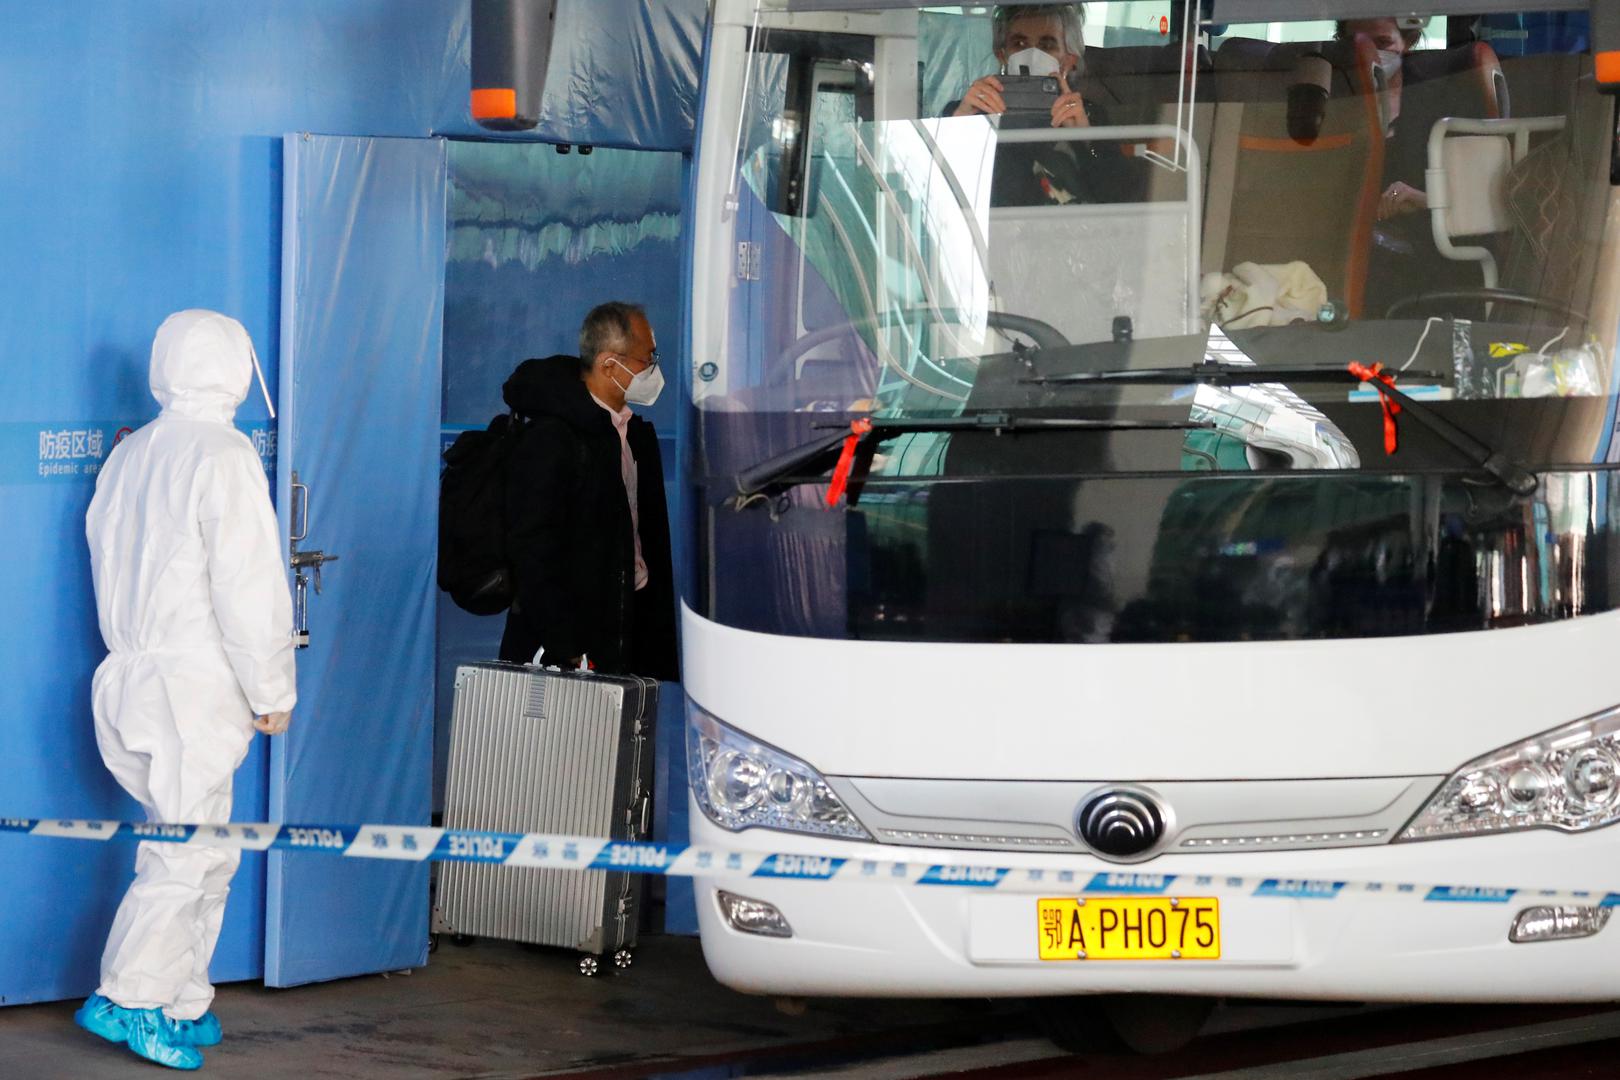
(143, 175)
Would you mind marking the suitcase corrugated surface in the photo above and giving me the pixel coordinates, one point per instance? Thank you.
(533, 750)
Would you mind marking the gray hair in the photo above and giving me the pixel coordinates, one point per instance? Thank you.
(1073, 16)
(606, 329)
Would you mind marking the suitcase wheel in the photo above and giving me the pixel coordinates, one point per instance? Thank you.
(623, 959)
(589, 966)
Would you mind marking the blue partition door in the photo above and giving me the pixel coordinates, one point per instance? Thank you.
(362, 325)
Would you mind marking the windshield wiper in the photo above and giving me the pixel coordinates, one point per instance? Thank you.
(1506, 471)
(863, 436)
(1213, 371)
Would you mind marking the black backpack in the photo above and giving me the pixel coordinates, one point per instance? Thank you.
(473, 564)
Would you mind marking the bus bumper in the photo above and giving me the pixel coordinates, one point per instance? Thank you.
(855, 939)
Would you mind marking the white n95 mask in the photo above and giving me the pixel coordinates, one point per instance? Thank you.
(644, 387)
(1037, 62)
(1388, 68)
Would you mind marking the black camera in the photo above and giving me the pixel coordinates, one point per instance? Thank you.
(1030, 93)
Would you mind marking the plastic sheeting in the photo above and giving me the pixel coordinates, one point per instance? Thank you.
(362, 323)
(536, 240)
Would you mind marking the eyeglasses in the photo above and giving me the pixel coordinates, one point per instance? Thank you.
(651, 361)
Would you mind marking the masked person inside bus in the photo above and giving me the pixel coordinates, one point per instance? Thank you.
(1405, 260)
(586, 529)
(1404, 159)
(1044, 41)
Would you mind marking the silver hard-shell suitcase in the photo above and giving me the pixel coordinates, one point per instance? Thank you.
(540, 750)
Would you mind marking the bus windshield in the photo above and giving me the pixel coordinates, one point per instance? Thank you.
(1118, 216)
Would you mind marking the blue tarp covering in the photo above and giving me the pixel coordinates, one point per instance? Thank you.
(622, 73)
(143, 175)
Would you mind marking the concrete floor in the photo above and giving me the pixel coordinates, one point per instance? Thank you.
(496, 1011)
(499, 1012)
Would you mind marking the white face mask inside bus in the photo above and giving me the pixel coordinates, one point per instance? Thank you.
(1035, 62)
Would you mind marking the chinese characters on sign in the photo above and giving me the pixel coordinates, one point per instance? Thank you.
(264, 441)
(78, 450)
(71, 451)
(1052, 936)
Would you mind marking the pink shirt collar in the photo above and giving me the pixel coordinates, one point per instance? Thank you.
(621, 417)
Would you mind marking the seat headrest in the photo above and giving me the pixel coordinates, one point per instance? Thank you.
(1439, 63)
(1141, 59)
(1243, 54)
(1353, 61)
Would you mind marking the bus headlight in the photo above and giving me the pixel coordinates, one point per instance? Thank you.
(743, 784)
(1566, 779)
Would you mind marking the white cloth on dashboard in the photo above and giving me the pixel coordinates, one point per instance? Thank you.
(1254, 294)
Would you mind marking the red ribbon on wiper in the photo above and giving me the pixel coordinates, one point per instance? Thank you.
(1380, 379)
(858, 430)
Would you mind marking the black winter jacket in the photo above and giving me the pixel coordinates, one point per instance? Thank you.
(569, 532)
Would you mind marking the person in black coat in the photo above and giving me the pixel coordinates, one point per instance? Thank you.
(587, 526)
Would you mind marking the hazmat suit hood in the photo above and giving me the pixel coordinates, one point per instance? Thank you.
(202, 365)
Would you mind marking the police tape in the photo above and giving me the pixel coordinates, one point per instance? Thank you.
(547, 851)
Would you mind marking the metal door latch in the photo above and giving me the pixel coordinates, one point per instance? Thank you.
(303, 562)
(314, 560)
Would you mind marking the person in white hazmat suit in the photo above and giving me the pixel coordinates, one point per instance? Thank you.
(197, 618)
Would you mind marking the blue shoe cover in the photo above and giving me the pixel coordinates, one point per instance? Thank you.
(203, 1031)
(153, 1037)
(101, 1017)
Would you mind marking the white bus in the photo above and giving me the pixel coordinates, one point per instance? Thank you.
(1214, 478)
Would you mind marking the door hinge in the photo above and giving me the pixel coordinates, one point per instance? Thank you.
(749, 258)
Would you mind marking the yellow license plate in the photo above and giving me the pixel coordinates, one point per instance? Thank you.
(1129, 928)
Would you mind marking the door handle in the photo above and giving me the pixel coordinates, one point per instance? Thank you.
(299, 519)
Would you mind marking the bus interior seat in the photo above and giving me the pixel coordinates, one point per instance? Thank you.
(1147, 84)
(1504, 192)
(1275, 196)
(1127, 76)
(1539, 84)
(1465, 81)
(1557, 196)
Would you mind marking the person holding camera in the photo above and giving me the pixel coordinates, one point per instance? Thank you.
(1039, 40)
(1041, 50)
